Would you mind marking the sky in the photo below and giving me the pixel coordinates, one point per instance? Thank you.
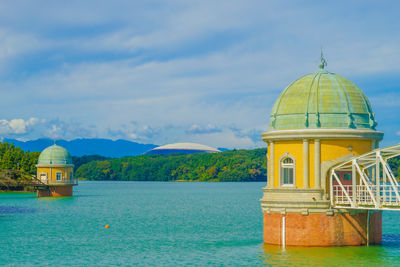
(184, 71)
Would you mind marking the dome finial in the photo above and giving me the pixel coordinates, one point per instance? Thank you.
(323, 63)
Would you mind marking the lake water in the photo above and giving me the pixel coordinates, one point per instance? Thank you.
(162, 224)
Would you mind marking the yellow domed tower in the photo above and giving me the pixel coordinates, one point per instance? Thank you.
(318, 121)
(55, 172)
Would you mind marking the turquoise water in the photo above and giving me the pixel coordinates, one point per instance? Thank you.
(162, 224)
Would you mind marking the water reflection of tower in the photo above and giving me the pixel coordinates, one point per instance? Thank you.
(55, 172)
(318, 121)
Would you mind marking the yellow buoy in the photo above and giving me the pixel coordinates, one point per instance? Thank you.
(107, 226)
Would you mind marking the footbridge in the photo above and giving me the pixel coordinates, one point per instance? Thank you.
(17, 180)
(366, 182)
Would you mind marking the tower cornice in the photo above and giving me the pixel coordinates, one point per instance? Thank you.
(300, 134)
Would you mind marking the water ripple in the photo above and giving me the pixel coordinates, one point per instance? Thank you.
(16, 210)
(391, 240)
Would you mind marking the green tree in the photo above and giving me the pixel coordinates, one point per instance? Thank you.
(237, 165)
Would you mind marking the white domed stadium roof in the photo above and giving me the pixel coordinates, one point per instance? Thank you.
(183, 148)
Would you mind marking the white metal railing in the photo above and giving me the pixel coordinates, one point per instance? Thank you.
(387, 196)
(373, 184)
(340, 196)
(69, 181)
(58, 182)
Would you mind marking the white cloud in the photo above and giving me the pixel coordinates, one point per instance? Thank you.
(59, 129)
(197, 129)
(225, 139)
(17, 126)
(33, 128)
(133, 131)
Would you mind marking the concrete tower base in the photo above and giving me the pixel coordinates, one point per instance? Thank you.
(55, 191)
(320, 229)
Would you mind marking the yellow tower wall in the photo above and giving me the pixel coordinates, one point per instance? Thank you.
(330, 150)
(51, 172)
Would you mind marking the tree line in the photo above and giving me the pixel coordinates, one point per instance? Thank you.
(235, 165)
(14, 158)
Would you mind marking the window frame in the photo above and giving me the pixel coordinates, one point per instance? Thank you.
(281, 172)
(58, 173)
(43, 174)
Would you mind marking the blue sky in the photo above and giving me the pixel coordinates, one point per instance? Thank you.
(184, 71)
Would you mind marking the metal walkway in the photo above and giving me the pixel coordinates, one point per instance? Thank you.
(366, 182)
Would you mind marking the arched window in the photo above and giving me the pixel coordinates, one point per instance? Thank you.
(287, 170)
(43, 177)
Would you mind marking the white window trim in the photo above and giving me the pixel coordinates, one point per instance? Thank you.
(60, 176)
(287, 155)
(41, 174)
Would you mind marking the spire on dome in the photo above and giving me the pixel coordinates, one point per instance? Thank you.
(323, 63)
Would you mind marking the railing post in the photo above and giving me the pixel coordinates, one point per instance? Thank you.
(378, 179)
(384, 185)
(354, 180)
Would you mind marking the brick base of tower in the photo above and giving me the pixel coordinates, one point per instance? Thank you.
(55, 191)
(322, 230)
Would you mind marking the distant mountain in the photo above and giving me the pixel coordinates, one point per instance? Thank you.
(94, 146)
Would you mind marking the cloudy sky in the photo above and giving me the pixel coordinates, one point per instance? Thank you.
(184, 71)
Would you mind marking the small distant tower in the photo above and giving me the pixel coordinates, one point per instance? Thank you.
(55, 173)
(319, 121)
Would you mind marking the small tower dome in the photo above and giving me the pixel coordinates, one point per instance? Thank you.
(322, 100)
(55, 154)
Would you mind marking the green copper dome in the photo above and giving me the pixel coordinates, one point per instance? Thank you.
(54, 155)
(322, 100)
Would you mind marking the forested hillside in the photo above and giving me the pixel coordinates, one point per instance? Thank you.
(78, 161)
(14, 158)
(236, 165)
